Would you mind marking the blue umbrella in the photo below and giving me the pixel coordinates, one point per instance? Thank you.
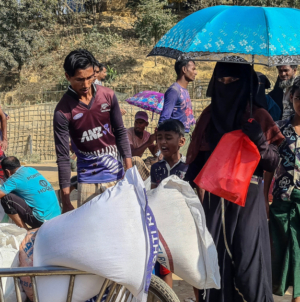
(259, 35)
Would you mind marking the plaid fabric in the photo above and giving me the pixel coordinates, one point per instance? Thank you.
(149, 161)
(141, 166)
(86, 192)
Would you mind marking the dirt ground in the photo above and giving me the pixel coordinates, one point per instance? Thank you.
(181, 288)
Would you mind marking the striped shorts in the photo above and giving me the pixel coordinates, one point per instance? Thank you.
(86, 192)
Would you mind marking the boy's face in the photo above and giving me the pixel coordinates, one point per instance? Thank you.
(169, 142)
(295, 99)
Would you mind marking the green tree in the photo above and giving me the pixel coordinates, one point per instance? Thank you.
(153, 21)
(20, 25)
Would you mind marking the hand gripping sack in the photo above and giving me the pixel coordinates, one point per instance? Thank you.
(229, 169)
(114, 236)
(185, 246)
(84, 285)
(26, 260)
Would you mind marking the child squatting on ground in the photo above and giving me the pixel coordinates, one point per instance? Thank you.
(170, 138)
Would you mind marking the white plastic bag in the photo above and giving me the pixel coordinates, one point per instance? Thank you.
(114, 236)
(11, 237)
(186, 246)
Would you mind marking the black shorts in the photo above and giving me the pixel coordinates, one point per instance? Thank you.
(13, 204)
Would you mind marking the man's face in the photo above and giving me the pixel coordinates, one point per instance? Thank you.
(82, 81)
(102, 74)
(97, 71)
(190, 71)
(286, 72)
(169, 142)
(140, 125)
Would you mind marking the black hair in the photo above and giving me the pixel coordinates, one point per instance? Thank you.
(296, 86)
(292, 66)
(97, 63)
(172, 125)
(180, 64)
(78, 59)
(10, 163)
(102, 66)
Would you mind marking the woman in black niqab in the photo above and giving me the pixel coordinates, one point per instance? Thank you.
(240, 233)
(229, 101)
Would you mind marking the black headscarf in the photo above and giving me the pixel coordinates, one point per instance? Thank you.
(277, 94)
(263, 84)
(229, 102)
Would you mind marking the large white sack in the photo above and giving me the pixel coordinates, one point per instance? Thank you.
(147, 183)
(85, 287)
(186, 247)
(11, 237)
(107, 236)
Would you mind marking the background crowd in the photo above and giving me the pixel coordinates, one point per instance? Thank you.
(88, 121)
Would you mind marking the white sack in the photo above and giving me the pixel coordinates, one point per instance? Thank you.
(186, 247)
(107, 236)
(147, 183)
(55, 288)
(11, 237)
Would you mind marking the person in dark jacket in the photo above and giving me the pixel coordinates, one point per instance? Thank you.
(240, 233)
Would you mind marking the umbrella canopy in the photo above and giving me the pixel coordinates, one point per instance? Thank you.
(148, 100)
(235, 33)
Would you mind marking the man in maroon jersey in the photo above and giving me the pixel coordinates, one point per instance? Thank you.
(90, 115)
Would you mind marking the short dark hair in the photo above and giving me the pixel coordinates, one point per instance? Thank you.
(172, 125)
(78, 59)
(10, 163)
(102, 66)
(180, 64)
(296, 86)
(292, 66)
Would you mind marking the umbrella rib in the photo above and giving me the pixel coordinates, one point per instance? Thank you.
(268, 38)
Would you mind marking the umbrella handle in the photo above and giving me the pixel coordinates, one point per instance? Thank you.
(251, 88)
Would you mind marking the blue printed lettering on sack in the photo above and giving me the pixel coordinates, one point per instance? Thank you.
(154, 242)
(161, 259)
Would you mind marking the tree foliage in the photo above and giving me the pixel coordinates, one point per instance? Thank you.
(98, 42)
(152, 21)
(20, 23)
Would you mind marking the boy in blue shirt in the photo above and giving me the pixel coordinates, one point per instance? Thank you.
(170, 138)
(26, 196)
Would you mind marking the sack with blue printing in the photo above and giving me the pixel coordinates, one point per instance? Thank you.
(113, 236)
(186, 247)
(11, 237)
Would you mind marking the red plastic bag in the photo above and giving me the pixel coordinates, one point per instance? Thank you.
(228, 171)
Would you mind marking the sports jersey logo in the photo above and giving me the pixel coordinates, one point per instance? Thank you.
(78, 116)
(104, 108)
(43, 183)
(91, 134)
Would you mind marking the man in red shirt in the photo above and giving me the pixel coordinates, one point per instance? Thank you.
(90, 115)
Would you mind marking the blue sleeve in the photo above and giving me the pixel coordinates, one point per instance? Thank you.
(8, 186)
(170, 99)
(152, 175)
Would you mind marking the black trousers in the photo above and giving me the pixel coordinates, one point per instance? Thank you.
(13, 204)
